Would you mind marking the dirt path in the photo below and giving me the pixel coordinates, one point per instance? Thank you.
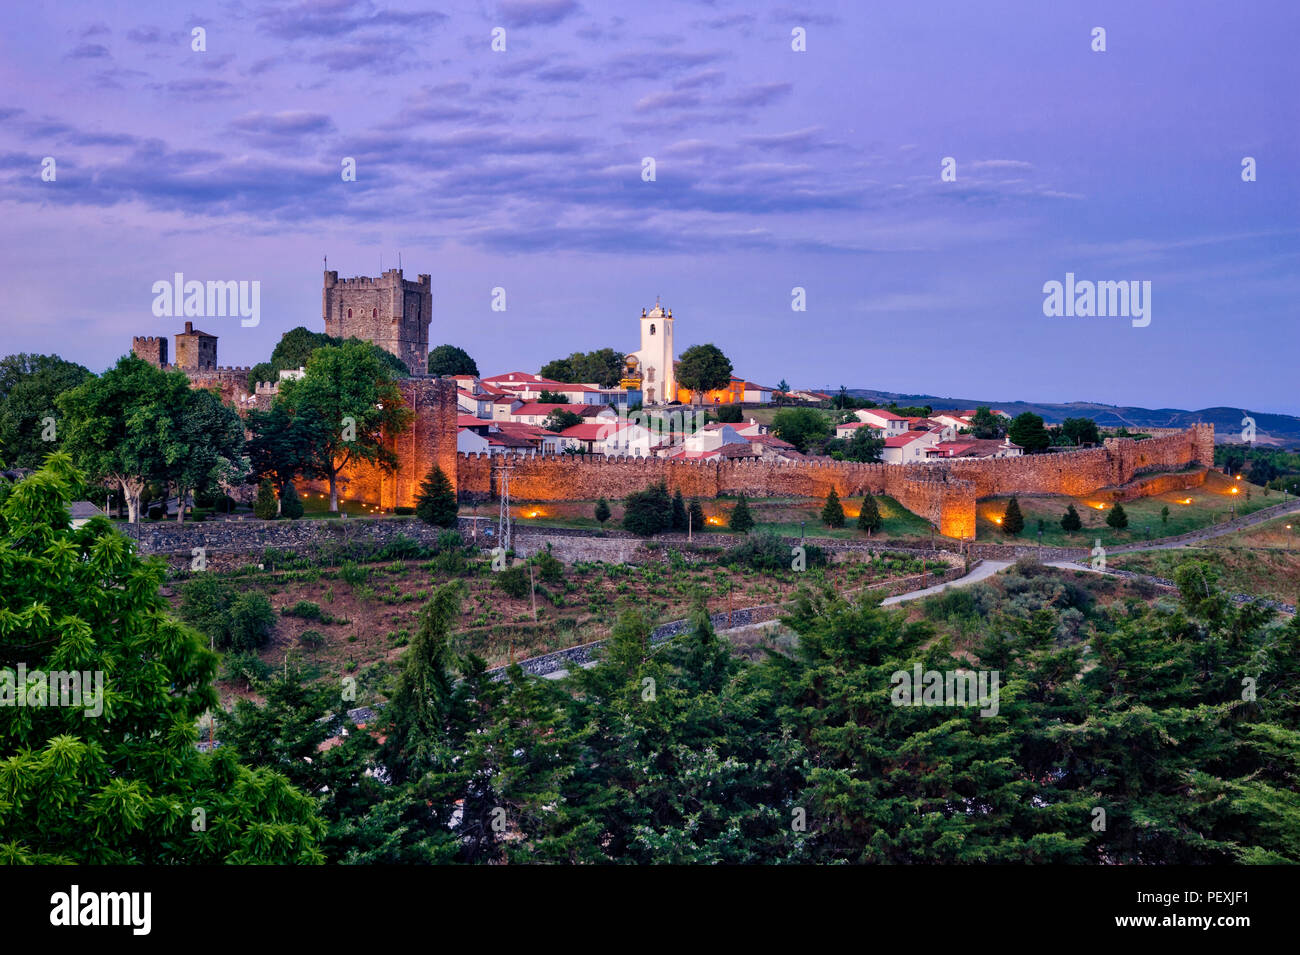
(983, 570)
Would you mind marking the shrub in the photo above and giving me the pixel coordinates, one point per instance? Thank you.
(514, 581)
(731, 414)
(548, 566)
(766, 551)
(602, 511)
(404, 511)
(1013, 522)
(250, 621)
(229, 619)
(290, 503)
(648, 512)
(305, 609)
(869, 517)
(264, 508)
(157, 512)
(352, 574)
(312, 639)
(1117, 518)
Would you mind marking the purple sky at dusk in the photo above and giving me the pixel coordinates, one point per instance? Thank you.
(775, 169)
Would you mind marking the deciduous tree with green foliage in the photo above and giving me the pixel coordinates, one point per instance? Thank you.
(986, 424)
(208, 452)
(702, 368)
(355, 396)
(283, 444)
(450, 360)
(1027, 430)
(122, 785)
(29, 388)
(603, 367)
(561, 419)
(802, 427)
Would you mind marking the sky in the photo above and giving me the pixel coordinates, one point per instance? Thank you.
(774, 169)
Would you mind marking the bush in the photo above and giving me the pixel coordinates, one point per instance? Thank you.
(229, 619)
(1117, 518)
(404, 511)
(767, 552)
(247, 667)
(305, 609)
(265, 508)
(514, 581)
(549, 567)
(157, 512)
(1071, 521)
(679, 511)
(290, 503)
(311, 639)
(251, 621)
(695, 519)
(731, 414)
(648, 512)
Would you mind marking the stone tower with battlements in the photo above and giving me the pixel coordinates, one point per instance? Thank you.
(389, 310)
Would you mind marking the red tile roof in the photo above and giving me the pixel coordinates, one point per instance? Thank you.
(907, 437)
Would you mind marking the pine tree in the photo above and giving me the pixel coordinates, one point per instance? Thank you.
(679, 512)
(290, 502)
(1117, 518)
(696, 522)
(436, 502)
(833, 512)
(741, 519)
(1071, 521)
(869, 517)
(602, 511)
(265, 506)
(1164, 514)
(1013, 522)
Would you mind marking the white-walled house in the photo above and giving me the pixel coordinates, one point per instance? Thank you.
(849, 428)
(909, 446)
(892, 424)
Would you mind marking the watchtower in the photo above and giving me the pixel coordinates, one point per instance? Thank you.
(389, 310)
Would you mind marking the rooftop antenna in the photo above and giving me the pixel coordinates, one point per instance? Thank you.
(399, 261)
(327, 263)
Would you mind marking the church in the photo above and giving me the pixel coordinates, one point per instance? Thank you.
(649, 369)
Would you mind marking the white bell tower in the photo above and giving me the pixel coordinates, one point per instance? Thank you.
(658, 382)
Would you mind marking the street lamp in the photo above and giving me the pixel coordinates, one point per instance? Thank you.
(801, 530)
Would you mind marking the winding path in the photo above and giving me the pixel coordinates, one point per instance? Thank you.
(983, 570)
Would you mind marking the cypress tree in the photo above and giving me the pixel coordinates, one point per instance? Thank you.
(741, 519)
(679, 512)
(436, 502)
(1013, 522)
(290, 502)
(697, 522)
(869, 517)
(833, 512)
(1071, 521)
(602, 511)
(1117, 518)
(265, 506)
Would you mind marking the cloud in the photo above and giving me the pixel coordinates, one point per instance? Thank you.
(763, 94)
(144, 35)
(523, 13)
(702, 78)
(89, 51)
(666, 100)
(335, 18)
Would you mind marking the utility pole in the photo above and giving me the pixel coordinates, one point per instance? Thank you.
(503, 521)
(690, 524)
(532, 586)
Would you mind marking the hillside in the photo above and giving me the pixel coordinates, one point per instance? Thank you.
(1279, 430)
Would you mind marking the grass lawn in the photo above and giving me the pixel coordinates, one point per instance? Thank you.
(1188, 511)
(1265, 572)
(317, 506)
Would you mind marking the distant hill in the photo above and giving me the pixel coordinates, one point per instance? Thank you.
(1281, 430)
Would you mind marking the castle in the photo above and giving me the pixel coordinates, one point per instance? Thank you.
(395, 314)
(389, 311)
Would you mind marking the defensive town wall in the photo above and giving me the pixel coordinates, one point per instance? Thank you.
(942, 492)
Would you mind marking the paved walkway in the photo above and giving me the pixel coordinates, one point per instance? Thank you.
(985, 569)
(1193, 538)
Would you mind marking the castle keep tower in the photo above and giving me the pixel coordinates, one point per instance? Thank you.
(389, 311)
(195, 350)
(654, 359)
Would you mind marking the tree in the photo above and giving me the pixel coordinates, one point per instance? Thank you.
(118, 788)
(1117, 518)
(695, 520)
(296, 346)
(648, 512)
(552, 398)
(869, 517)
(283, 444)
(731, 414)
(864, 445)
(703, 368)
(782, 392)
(602, 511)
(603, 367)
(1079, 431)
(561, 420)
(833, 511)
(266, 508)
(122, 426)
(355, 396)
(1013, 522)
(985, 424)
(1071, 521)
(29, 388)
(450, 360)
(1027, 430)
(802, 427)
(741, 520)
(436, 502)
(679, 511)
(1164, 514)
(1262, 470)
(209, 447)
(290, 503)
